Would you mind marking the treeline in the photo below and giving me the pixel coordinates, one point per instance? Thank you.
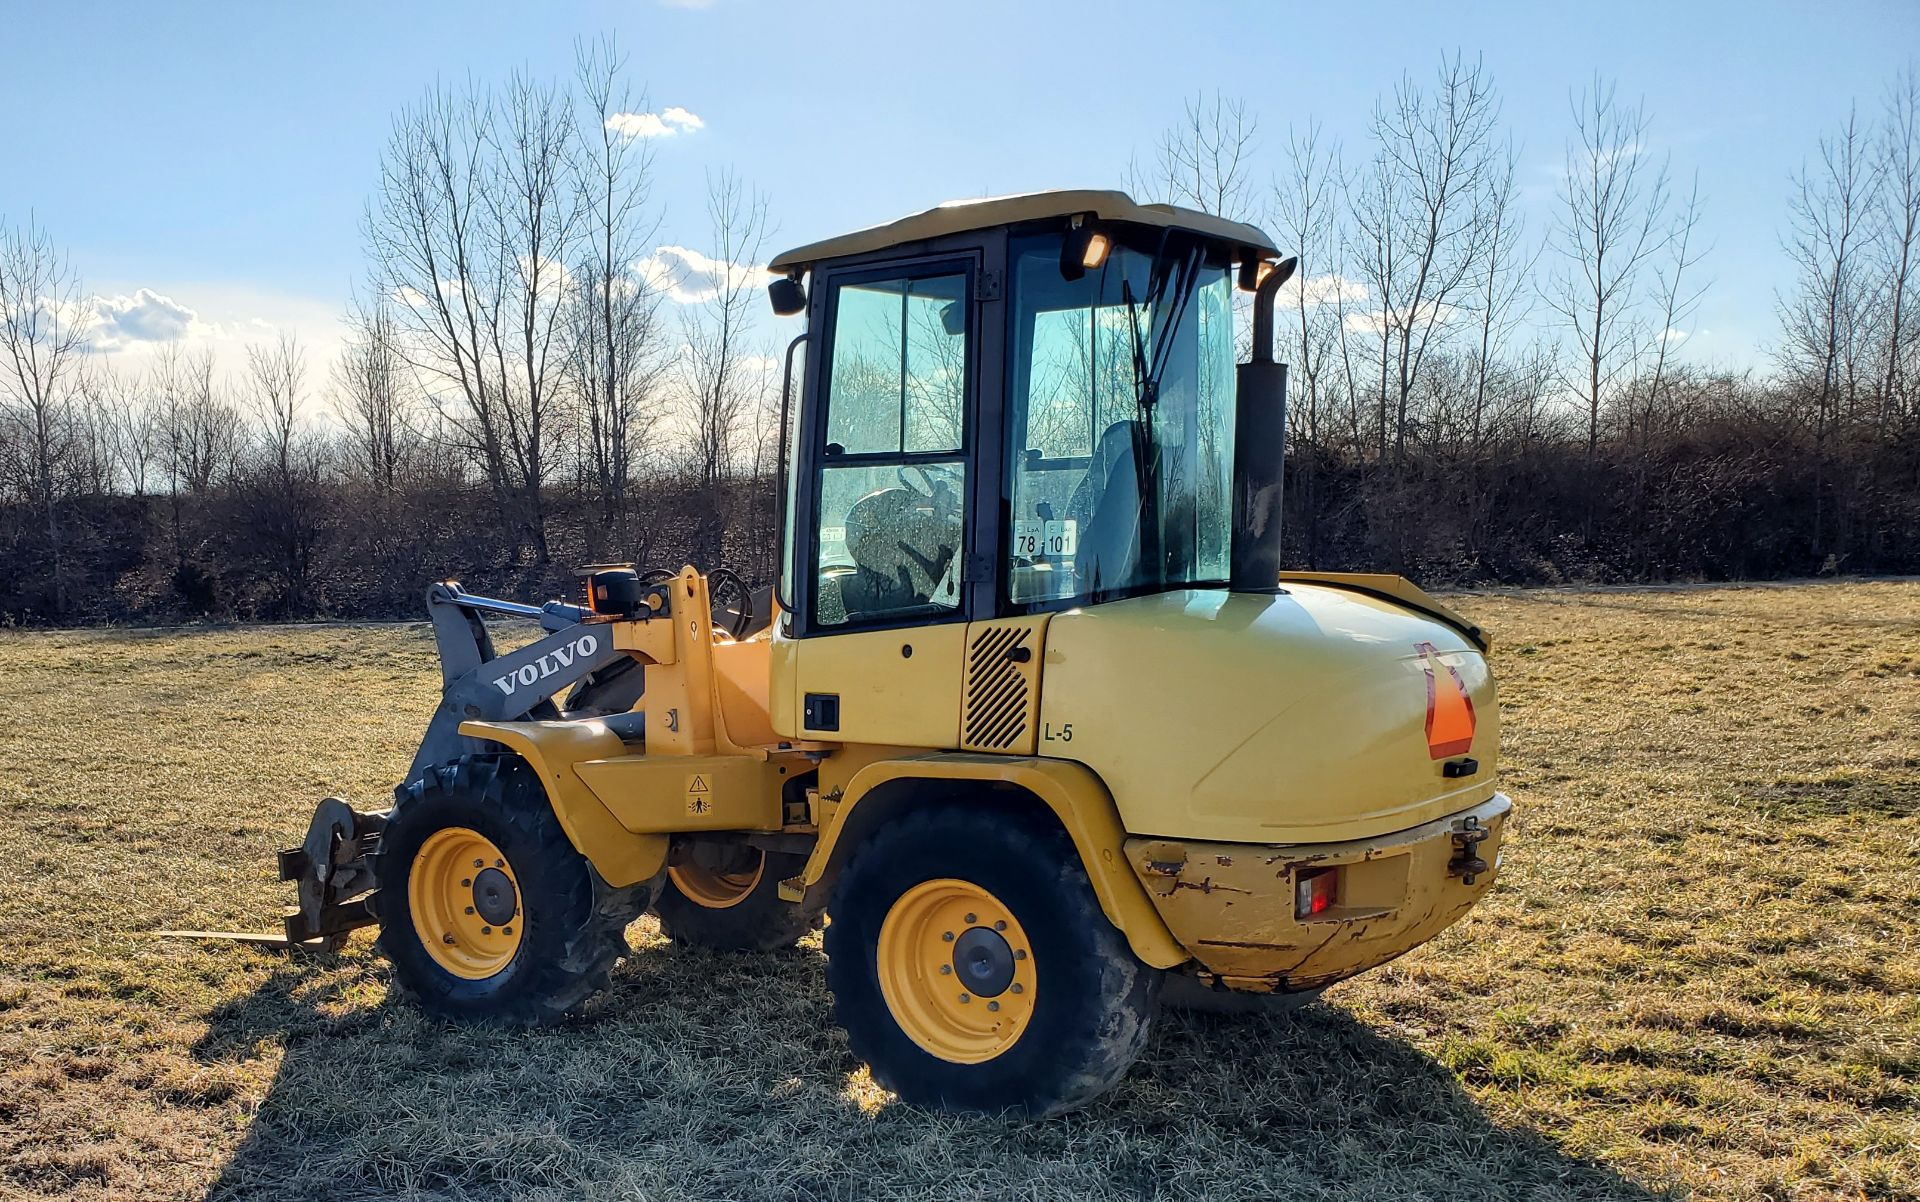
(530, 384)
(1475, 401)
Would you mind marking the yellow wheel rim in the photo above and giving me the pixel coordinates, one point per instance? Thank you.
(715, 890)
(957, 971)
(465, 902)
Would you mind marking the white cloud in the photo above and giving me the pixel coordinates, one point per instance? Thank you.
(131, 325)
(689, 277)
(670, 121)
(685, 119)
(1419, 315)
(1313, 291)
(146, 316)
(1673, 334)
(639, 125)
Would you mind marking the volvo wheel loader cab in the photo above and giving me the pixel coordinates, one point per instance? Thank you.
(1036, 718)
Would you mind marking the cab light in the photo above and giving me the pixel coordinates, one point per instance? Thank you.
(1313, 891)
(1096, 253)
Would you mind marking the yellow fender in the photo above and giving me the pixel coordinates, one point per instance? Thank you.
(621, 857)
(1077, 798)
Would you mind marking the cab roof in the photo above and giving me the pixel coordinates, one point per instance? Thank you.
(960, 216)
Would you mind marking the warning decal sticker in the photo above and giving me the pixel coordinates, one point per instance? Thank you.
(699, 794)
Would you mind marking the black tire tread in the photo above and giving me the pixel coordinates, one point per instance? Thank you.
(1108, 1026)
(504, 788)
(761, 922)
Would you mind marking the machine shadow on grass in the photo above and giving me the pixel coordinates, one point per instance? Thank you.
(722, 1076)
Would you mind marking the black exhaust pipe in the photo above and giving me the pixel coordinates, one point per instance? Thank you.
(1259, 448)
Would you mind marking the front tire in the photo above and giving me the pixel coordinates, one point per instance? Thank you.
(486, 910)
(972, 968)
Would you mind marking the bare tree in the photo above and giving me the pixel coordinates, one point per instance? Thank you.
(1307, 221)
(1898, 213)
(94, 464)
(1204, 161)
(1501, 292)
(200, 426)
(277, 374)
(371, 394)
(720, 391)
(282, 482)
(43, 332)
(1679, 296)
(613, 362)
(1822, 320)
(1420, 227)
(1612, 228)
(469, 234)
(124, 427)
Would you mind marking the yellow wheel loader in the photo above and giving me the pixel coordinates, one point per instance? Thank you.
(1034, 720)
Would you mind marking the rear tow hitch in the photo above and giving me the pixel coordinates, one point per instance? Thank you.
(1466, 863)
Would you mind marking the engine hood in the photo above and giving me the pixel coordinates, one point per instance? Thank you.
(1313, 715)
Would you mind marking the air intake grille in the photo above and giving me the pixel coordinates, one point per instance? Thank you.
(1000, 689)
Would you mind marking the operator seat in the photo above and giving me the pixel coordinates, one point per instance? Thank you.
(1108, 497)
(901, 551)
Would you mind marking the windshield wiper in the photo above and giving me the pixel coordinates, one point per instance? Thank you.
(1145, 386)
(1183, 276)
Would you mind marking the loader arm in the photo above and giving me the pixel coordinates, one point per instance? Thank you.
(480, 685)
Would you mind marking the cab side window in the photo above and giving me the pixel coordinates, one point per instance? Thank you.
(892, 484)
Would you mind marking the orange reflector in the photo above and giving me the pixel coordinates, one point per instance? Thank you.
(1313, 891)
(1449, 709)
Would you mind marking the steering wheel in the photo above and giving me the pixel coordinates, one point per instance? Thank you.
(937, 493)
(732, 601)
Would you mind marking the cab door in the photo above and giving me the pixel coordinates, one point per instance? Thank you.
(884, 495)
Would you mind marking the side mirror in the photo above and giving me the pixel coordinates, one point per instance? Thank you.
(787, 297)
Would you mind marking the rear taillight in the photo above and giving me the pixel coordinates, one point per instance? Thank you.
(1313, 891)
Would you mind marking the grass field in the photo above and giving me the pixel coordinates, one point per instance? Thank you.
(1698, 974)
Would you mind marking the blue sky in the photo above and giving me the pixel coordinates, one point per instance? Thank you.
(219, 154)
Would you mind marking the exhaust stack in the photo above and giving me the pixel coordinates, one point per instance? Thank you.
(1259, 448)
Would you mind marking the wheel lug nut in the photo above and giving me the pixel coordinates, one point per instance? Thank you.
(466, 881)
(971, 919)
(993, 1005)
(446, 938)
(965, 998)
(486, 930)
(948, 936)
(506, 930)
(469, 909)
(479, 863)
(499, 863)
(1019, 988)
(1019, 953)
(946, 970)
(1001, 925)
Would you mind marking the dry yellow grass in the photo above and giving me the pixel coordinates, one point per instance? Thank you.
(1698, 974)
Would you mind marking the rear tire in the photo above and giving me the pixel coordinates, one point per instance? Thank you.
(524, 937)
(972, 968)
(727, 898)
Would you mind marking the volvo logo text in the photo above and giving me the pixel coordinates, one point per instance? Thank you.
(561, 657)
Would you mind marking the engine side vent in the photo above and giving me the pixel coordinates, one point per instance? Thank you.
(1003, 665)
